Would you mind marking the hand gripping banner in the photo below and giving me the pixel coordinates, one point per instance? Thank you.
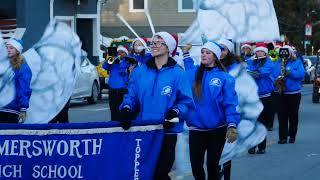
(91, 151)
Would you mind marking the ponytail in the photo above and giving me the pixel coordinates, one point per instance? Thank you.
(16, 61)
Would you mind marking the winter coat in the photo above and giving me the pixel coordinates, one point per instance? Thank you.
(293, 80)
(264, 77)
(22, 79)
(118, 74)
(157, 91)
(141, 59)
(217, 105)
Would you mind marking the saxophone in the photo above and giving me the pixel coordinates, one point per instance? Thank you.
(280, 84)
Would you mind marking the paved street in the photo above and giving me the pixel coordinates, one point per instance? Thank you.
(299, 161)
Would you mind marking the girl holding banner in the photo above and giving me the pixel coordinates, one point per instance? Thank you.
(17, 108)
(215, 117)
(163, 95)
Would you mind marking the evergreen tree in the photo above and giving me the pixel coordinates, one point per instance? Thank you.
(292, 16)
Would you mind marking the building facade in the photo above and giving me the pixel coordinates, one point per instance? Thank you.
(174, 16)
(27, 19)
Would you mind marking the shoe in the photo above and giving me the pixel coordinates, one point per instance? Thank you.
(292, 140)
(252, 150)
(261, 151)
(282, 141)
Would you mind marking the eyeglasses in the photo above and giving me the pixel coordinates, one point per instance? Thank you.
(157, 44)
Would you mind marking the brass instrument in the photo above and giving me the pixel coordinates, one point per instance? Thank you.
(111, 59)
(280, 84)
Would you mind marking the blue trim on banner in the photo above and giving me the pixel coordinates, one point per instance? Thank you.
(90, 151)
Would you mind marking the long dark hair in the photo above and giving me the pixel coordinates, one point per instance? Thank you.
(197, 84)
(230, 59)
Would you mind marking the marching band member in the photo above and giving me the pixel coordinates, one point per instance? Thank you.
(214, 93)
(260, 67)
(139, 51)
(246, 51)
(118, 80)
(163, 94)
(247, 90)
(17, 108)
(292, 76)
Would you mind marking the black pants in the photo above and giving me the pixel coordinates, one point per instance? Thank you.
(265, 117)
(115, 100)
(227, 170)
(63, 115)
(289, 114)
(166, 157)
(275, 108)
(211, 141)
(6, 117)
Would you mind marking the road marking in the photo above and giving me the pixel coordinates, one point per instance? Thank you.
(94, 110)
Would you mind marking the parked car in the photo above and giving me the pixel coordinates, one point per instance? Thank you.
(313, 59)
(103, 78)
(316, 84)
(87, 85)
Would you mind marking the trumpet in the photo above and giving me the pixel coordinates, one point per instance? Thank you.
(112, 60)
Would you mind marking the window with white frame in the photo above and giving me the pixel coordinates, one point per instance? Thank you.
(186, 6)
(137, 5)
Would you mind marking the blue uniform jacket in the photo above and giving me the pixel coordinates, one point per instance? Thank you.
(296, 73)
(141, 59)
(217, 105)
(265, 76)
(22, 79)
(157, 91)
(118, 74)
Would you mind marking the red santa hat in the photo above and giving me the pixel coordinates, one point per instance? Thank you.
(175, 36)
(123, 48)
(278, 45)
(170, 41)
(246, 44)
(261, 46)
